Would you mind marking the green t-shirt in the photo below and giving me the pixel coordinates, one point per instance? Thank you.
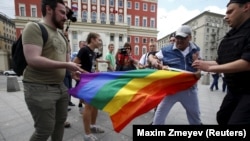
(111, 58)
(55, 49)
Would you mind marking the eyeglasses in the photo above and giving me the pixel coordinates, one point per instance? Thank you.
(127, 48)
(172, 40)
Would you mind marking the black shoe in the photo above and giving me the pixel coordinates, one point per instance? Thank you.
(69, 109)
(66, 124)
(80, 105)
(71, 104)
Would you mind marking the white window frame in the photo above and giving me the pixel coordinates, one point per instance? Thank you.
(144, 24)
(120, 3)
(137, 19)
(120, 18)
(103, 2)
(112, 17)
(152, 20)
(111, 3)
(129, 19)
(129, 5)
(93, 16)
(103, 17)
(145, 40)
(128, 39)
(144, 49)
(137, 6)
(85, 15)
(152, 8)
(20, 12)
(31, 12)
(145, 7)
(137, 39)
(136, 50)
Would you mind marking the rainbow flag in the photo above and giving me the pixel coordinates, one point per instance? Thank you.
(124, 95)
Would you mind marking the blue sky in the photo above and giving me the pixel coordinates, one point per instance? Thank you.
(171, 13)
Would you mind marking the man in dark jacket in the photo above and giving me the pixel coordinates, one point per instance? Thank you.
(234, 61)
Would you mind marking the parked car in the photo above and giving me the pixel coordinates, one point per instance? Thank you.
(9, 72)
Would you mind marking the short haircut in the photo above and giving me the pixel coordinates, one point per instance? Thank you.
(127, 45)
(111, 44)
(92, 35)
(51, 3)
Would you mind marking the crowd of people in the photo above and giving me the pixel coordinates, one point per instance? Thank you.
(52, 67)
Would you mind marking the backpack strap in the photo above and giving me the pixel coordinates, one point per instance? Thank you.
(44, 32)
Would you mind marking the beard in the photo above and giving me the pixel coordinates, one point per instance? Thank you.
(58, 24)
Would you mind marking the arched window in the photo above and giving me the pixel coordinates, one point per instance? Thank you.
(93, 17)
(120, 18)
(84, 16)
(103, 17)
(112, 17)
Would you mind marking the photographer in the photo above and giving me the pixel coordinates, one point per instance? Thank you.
(124, 59)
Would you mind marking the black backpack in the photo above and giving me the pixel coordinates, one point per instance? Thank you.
(18, 59)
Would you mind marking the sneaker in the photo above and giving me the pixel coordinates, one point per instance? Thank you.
(90, 137)
(80, 105)
(66, 124)
(96, 129)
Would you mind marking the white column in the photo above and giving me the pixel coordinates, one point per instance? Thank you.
(125, 12)
(79, 38)
(116, 40)
(79, 12)
(98, 19)
(116, 9)
(107, 12)
(89, 11)
(69, 4)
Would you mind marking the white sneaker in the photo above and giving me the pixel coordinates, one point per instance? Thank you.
(90, 137)
(96, 129)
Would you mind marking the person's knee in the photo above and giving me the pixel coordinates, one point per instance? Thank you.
(44, 131)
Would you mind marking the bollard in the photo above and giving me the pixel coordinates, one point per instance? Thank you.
(12, 84)
(206, 79)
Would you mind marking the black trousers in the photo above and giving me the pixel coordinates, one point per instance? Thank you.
(235, 108)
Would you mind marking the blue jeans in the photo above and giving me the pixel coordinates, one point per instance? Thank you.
(189, 100)
(215, 82)
(48, 106)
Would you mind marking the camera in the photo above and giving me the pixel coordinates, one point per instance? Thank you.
(122, 51)
(70, 15)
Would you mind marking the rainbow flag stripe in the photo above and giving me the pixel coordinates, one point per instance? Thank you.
(124, 95)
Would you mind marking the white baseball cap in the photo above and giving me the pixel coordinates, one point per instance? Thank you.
(183, 31)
